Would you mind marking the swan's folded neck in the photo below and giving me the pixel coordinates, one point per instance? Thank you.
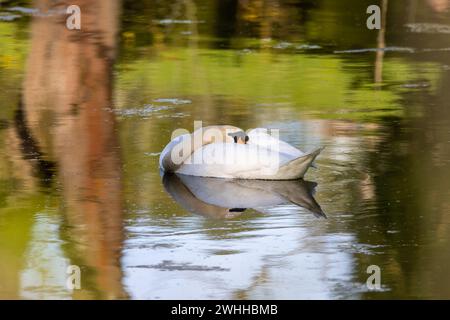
(195, 141)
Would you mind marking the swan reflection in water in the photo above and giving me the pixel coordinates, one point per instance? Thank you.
(228, 198)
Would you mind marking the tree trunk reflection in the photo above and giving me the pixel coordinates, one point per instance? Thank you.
(67, 108)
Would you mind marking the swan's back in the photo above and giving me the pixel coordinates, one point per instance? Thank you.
(263, 157)
(231, 160)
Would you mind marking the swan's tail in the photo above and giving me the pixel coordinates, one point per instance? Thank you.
(296, 168)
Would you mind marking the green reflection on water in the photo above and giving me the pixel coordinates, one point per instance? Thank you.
(383, 180)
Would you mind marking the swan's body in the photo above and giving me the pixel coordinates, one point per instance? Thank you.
(261, 156)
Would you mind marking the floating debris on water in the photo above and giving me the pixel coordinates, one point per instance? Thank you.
(168, 265)
(9, 17)
(145, 111)
(428, 28)
(283, 45)
(172, 21)
(288, 45)
(24, 10)
(393, 49)
(416, 85)
(435, 49)
(37, 12)
(173, 115)
(308, 47)
(367, 249)
(152, 154)
(175, 101)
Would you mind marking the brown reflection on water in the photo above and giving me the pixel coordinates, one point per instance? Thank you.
(381, 43)
(67, 101)
(383, 178)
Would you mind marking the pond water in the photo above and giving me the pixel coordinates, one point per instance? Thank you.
(84, 119)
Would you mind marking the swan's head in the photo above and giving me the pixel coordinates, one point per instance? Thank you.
(239, 137)
(227, 134)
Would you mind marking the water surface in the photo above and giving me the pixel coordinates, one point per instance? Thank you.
(83, 120)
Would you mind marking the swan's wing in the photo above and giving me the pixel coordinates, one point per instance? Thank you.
(261, 138)
(232, 160)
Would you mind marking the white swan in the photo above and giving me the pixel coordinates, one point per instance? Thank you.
(228, 152)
